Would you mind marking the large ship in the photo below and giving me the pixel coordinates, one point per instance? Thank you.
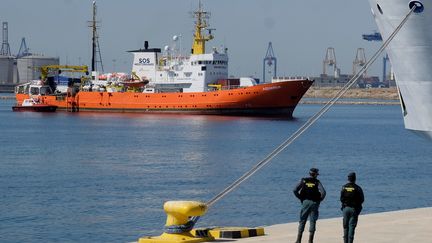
(410, 54)
(173, 83)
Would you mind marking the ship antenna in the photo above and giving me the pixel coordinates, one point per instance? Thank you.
(201, 23)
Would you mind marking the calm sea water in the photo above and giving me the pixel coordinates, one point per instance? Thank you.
(89, 177)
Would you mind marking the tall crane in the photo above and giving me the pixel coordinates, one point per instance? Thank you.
(5, 49)
(269, 62)
(330, 61)
(359, 61)
(24, 50)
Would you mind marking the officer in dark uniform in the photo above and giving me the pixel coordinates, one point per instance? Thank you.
(310, 192)
(352, 199)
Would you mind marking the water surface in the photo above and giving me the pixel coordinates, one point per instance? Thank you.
(94, 177)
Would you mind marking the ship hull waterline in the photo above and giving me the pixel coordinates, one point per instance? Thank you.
(35, 108)
(273, 99)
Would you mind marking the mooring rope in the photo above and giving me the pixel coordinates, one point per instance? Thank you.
(299, 132)
(311, 120)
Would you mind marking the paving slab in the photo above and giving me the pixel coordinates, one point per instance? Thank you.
(405, 226)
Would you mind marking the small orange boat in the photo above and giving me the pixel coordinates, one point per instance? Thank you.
(169, 82)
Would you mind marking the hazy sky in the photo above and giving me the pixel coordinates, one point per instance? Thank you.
(300, 31)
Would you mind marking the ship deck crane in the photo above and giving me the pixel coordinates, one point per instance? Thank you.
(46, 70)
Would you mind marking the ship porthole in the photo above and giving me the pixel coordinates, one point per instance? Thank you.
(419, 6)
(379, 9)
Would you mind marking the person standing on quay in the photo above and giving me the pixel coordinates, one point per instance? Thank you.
(352, 199)
(311, 192)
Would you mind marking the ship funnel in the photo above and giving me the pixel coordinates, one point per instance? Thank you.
(146, 45)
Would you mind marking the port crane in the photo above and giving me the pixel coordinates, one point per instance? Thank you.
(269, 62)
(359, 61)
(23, 50)
(330, 61)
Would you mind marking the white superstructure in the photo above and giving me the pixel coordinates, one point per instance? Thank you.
(200, 71)
(178, 73)
(410, 54)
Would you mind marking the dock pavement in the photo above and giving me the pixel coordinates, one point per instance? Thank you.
(405, 226)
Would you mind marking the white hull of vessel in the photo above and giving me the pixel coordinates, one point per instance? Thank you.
(410, 54)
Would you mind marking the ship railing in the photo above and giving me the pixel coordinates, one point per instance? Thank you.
(290, 78)
(228, 87)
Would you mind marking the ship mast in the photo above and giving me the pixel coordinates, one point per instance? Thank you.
(96, 54)
(198, 46)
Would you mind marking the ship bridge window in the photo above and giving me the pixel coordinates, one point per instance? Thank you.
(34, 90)
(45, 91)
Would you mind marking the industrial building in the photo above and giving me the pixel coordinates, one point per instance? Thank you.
(20, 68)
(6, 69)
(29, 66)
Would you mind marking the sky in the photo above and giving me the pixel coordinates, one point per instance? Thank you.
(300, 31)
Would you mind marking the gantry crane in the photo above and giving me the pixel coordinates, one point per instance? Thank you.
(330, 61)
(269, 62)
(359, 61)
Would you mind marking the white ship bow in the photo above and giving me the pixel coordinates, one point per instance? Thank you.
(410, 54)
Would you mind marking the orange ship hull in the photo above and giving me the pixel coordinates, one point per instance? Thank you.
(272, 99)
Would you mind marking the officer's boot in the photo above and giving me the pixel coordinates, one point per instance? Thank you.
(299, 235)
(311, 237)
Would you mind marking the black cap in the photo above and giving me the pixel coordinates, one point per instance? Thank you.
(314, 171)
(352, 176)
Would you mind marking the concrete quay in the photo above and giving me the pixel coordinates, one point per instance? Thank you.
(405, 226)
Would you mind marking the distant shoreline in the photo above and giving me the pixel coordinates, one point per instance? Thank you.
(354, 93)
(385, 96)
(322, 102)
